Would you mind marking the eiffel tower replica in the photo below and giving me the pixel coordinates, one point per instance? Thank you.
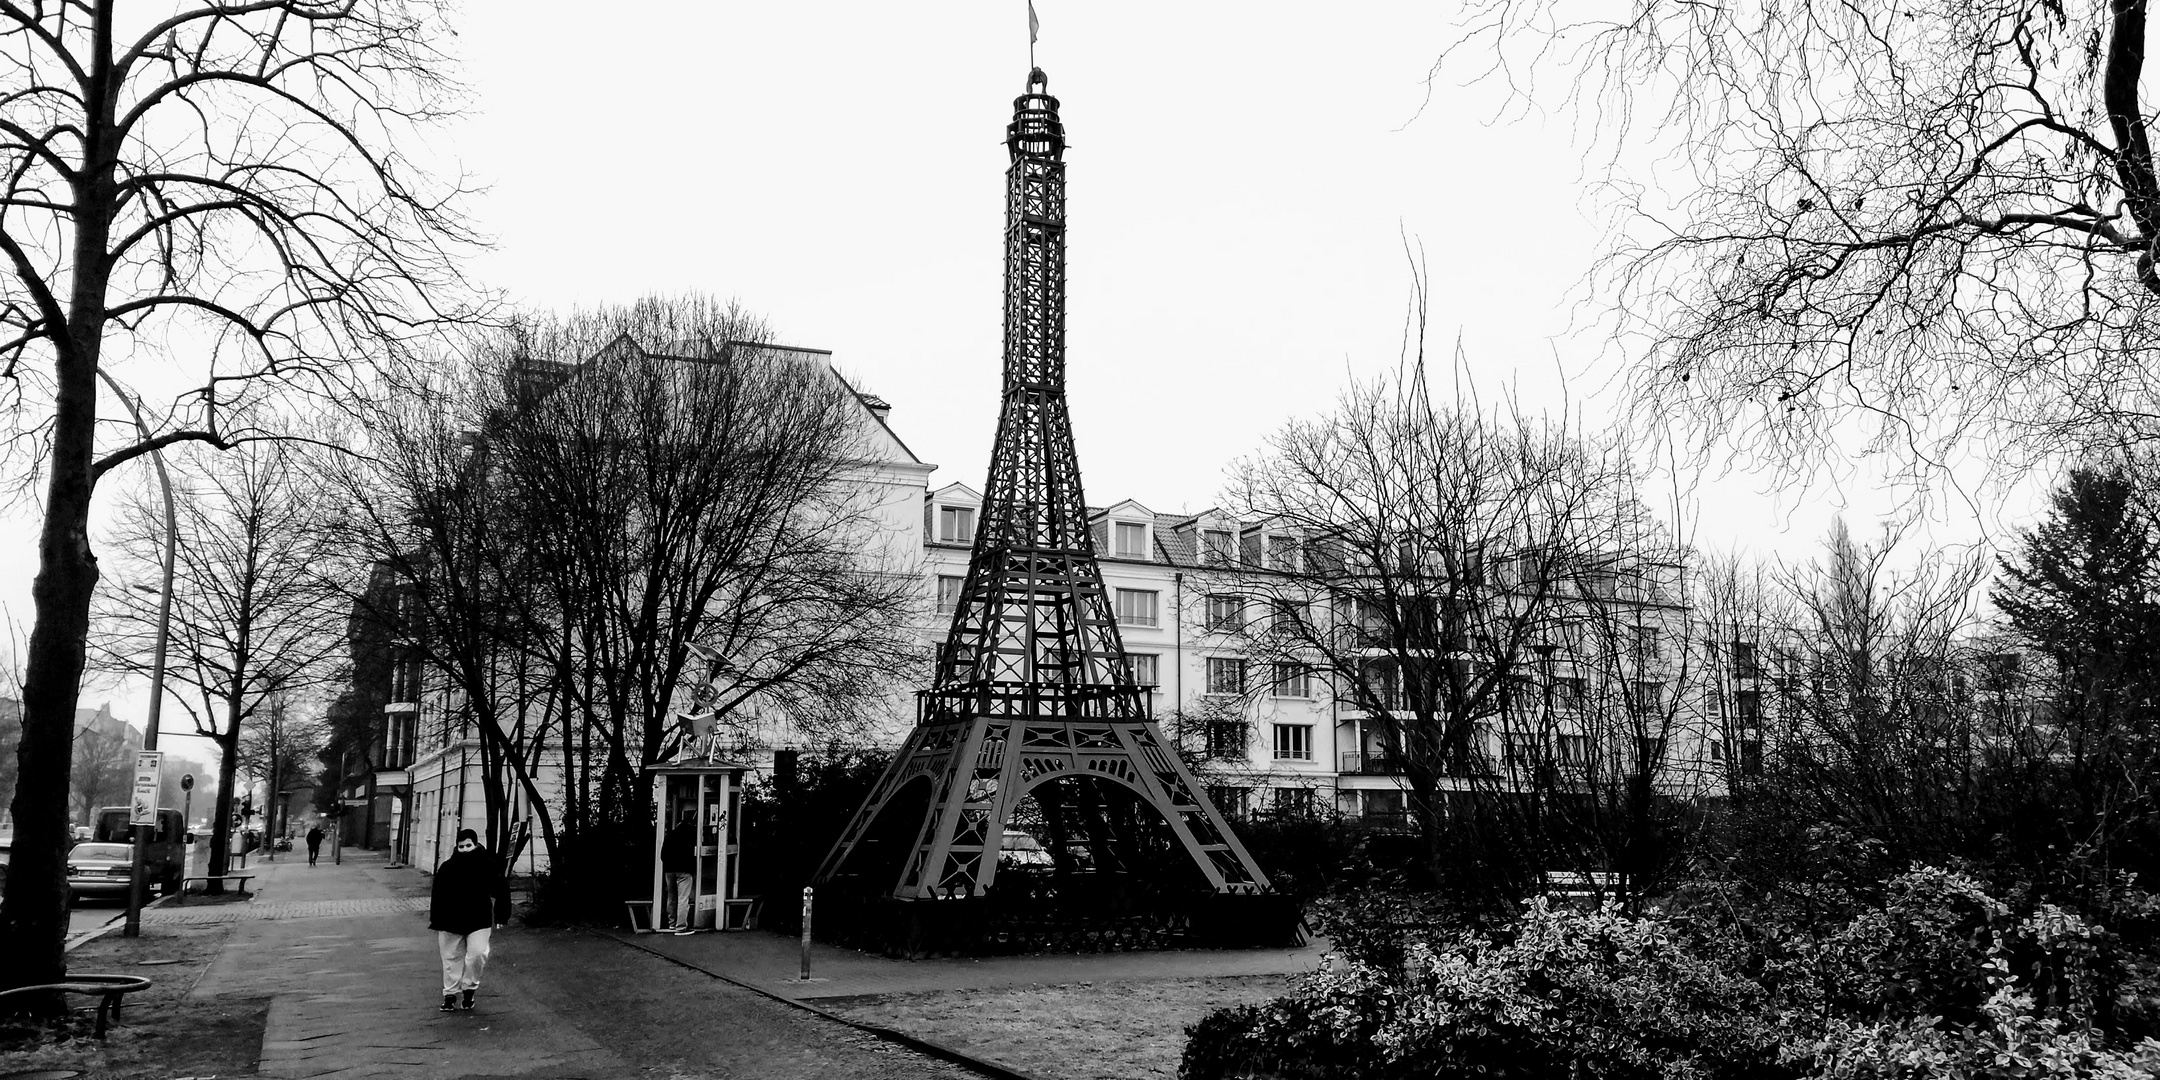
(1033, 692)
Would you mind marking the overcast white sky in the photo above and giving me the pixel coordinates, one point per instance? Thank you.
(1243, 177)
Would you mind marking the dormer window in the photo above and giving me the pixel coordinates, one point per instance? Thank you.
(956, 524)
(1129, 540)
(1216, 547)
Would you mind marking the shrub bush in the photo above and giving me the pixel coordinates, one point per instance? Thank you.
(1936, 977)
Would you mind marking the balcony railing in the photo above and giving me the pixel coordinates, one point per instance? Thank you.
(1371, 763)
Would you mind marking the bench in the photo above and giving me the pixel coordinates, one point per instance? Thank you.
(180, 897)
(109, 989)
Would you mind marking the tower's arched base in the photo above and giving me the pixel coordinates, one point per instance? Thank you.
(1042, 835)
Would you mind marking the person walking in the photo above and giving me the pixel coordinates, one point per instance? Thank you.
(314, 843)
(471, 900)
(678, 860)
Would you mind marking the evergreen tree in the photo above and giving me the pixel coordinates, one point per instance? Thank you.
(2083, 590)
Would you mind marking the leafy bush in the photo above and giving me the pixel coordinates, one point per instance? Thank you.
(1936, 977)
(1609, 995)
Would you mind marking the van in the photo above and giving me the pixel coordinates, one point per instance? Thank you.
(164, 856)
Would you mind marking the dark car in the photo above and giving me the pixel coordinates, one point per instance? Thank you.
(98, 869)
(164, 851)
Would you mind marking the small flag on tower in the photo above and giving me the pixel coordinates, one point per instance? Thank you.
(1034, 24)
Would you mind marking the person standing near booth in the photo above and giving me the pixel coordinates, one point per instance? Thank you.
(471, 900)
(678, 860)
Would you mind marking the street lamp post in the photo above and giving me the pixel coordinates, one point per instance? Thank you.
(141, 833)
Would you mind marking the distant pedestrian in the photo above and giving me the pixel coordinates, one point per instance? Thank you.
(678, 860)
(471, 900)
(314, 843)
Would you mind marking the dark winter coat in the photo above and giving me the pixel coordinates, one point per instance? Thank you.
(314, 838)
(471, 893)
(678, 850)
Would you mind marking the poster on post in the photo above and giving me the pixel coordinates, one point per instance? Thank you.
(149, 767)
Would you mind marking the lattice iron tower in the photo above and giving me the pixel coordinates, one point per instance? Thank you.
(1033, 691)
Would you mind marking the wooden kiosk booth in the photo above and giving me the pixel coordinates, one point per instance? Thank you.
(712, 791)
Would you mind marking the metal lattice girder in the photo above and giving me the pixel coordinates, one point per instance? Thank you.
(1032, 685)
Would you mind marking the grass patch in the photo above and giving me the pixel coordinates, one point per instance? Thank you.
(161, 1032)
(1076, 1031)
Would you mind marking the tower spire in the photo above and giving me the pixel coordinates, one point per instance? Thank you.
(1033, 699)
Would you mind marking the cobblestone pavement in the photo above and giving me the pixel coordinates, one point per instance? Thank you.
(289, 909)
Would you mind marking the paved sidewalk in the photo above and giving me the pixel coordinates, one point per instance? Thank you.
(345, 955)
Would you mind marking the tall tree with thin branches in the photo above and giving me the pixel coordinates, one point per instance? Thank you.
(216, 201)
(1915, 226)
(256, 615)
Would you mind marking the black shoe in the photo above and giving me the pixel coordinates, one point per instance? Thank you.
(468, 1000)
(449, 1003)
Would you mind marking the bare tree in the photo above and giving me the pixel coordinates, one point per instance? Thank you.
(1845, 688)
(1914, 223)
(603, 523)
(219, 196)
(254, 615)
(447, 577)
(1421, 558)
(104, 768)
(699, 514)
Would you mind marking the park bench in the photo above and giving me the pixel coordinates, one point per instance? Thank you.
(109, 989)
(180, 897)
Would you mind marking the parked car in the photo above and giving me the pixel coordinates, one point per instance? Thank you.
(1017, 848)
(164, 857)
(98, 869)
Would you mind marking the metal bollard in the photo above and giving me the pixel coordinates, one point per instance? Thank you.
(806, 933)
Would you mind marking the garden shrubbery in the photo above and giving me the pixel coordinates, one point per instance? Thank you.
(1931, 977)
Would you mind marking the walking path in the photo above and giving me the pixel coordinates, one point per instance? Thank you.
(345, 958)
(350, 968)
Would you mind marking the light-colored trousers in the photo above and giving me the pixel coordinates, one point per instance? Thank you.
(681, 885)
(464, 957)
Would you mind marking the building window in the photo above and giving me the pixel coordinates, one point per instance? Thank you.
(1137, 607)
(1384, 808)
(1144, 669)
(1225, 675)
(1649, 697)
(1225, 738)
(1746, 662)
(1575, 750)
(1647, 646)
(1282, 552)
(1294, 802)
(1131, 540)
(1216, 547)
(1751, 757)
(948, 593)
(1228, 798)
(956, 524)
(1293, 742)
(1649, 753)
(1519, 751)
(1291, 680)
(1569, 692)
(1747, 705)
(1225, 612)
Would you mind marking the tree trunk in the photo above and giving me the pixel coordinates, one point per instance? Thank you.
(221, 827)
(33, 931)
